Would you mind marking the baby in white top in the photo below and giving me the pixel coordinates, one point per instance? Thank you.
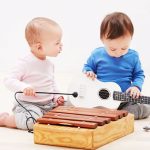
(35, 73)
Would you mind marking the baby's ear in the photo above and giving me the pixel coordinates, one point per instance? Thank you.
(38, 46)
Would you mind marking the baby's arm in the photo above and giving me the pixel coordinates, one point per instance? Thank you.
(29, 91)
(90, 74)
(134, 92)
(14, 80)
(138, 79)
(60, 101)
(90, 67)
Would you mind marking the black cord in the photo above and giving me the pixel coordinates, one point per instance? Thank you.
(31, 117)
(74, 94)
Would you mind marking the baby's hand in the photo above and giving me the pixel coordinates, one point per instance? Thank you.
(60, 100)
(29, 91)
(134, 92)
(90, 74)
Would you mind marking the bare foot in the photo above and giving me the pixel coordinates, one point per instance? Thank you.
(2, 118)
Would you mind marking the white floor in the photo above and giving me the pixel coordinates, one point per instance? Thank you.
(13, 139)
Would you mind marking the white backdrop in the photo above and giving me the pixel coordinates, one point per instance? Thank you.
(80, 21)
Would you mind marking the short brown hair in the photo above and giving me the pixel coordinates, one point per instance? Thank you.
(115, 25)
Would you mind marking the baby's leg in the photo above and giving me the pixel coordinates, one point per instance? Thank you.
(140, 111)
(3, 116)
(25, 119)
(7, 120)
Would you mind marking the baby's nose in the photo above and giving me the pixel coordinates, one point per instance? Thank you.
(61, 45)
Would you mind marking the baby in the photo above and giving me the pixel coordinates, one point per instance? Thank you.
(117, 62)
(34, 73)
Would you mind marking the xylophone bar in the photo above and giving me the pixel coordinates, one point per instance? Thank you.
(83, 124)
(100, 120)
(81, 117)
(107, 113)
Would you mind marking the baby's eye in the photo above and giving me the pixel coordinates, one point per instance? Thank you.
(123, 48)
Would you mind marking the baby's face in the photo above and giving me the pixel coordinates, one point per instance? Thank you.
(117, 47)
(51, 44)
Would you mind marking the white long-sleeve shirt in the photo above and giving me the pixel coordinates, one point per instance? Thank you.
(32, 72)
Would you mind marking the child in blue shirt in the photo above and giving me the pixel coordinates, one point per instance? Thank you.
(116, 62)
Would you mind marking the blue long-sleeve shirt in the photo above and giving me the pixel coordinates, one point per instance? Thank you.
(126, 70)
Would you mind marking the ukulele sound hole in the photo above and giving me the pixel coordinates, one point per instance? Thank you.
(104, 94)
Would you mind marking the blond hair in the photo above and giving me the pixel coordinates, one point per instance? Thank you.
(34, 28)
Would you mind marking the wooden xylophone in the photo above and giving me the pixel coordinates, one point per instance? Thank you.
(81, 117)
(87, 128)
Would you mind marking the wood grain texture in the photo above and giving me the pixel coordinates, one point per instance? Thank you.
(82, 137)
